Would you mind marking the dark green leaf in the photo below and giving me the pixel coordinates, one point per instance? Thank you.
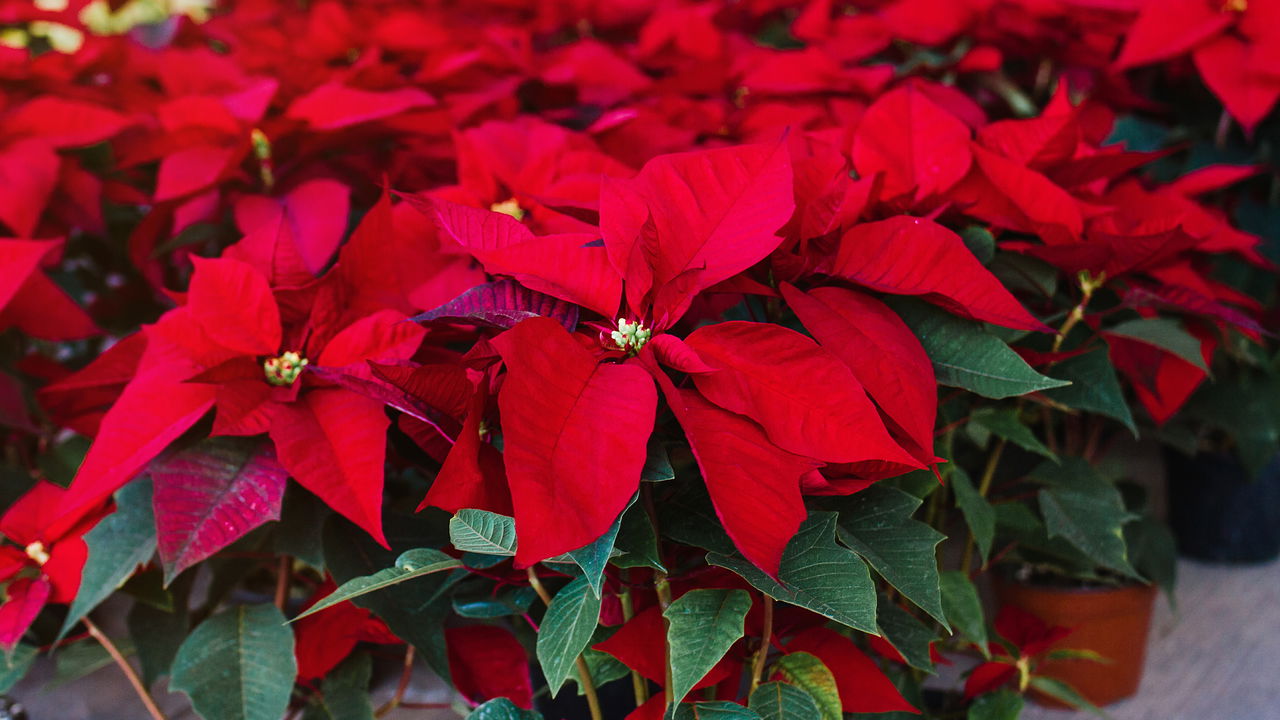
(906, 634)
(82, 659)
(877, 524)
(701, 627)
(980, 242)
(14, 666)
(502, 709)
(780, 701)
(344, 694)
(998, 705)
(963, 608)
(636, 540)
(411, 564)
(300, 531)
(1025, 275)
(1005, 423)
(965, 355)
(715, 710)
(1094, 387)
(594, 557)
(809, 674)
(604, 668)
(157, 635)
(1164, 333)
(1061, 691)
(120, 543)
(657, 465)
(566, 630)
(238, 665)
(816, 574)
(512, 601)
(483, 532)
(1153, 553)
(1086, 511)
(978, 513)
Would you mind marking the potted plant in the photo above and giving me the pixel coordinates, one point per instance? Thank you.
(608, 362)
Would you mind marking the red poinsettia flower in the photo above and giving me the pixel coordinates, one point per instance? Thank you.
(237, 347)
(46, 564)
(1030, 638)
(324, 640)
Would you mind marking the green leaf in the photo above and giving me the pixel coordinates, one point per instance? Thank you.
(502, 709)
(513, 601)
(1085, 510)
(157, 634)
(411, 564)
(998, 705)
(344, 694)
(906, 634)
(657, 464)
(604, 668)
(1061, 691)
(300, 531)
(566, 630)
(978, 512)
(636, 540)
(238, 665)
(1164, 333)
(701, 627)
(1005, 423)
(809, 674)
(964, 608)
(82, 659)
(593, 558)
(980, 242)
(1094, 387)
(483, 532)
(780, 701)
(715, 710)
(877, 524)
(414, 610)
(14, 666)
(965, 355)
(120, 543)
(1153, 553)
(816, 574)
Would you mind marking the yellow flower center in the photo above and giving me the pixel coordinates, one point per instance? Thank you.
(37, 553)
(285, 369)
(1237, 6)
(510, 207)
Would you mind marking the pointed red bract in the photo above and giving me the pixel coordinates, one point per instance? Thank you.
(487, 661)
(208, 496)
(25, 598)
(919, 147)
(808, 402)
(882, 352)
(913, 256)
(574, 435)
(233, 305)
(863, 686)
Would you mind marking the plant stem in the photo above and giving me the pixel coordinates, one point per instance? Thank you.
(584, 673)
(660, 584)
(405, 676)
(984, 486)
(766, 640)
(126, 668)
(284, 571)
(638, 684)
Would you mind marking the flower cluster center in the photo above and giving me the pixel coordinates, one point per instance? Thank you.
(630, 336)
(285, 369)
(37, 552)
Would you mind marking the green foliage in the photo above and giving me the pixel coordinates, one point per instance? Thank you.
(1164, 333)
(1087, 511)
(1094, 387)
(344, 694)
(120, 543)
(701, 627)
(483, 532)
(877, 524)
(411, 564)
(715, 710)
(816, 574)
(998, 705)
(238, 665)
(1005, 423)
(566, 630)
(502, 709)
(906, 634)
(978, 512)
(780, 701)
(593, 557)
(809, 674)
(964, 608)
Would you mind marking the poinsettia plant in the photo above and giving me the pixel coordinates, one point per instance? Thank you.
(611, 360)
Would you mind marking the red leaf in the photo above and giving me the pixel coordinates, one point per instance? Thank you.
(1213, 177)
(677, 355)
(883, 353)
(487, 661)
(987, 677)
(808, 402)
(863, 687)
(1039, 200)
(1166, 28)
(232, 302)
(385, 336)
(1228, 67)
(917, 145)
(64, 123)
(473, 474)
(565, 266)
(26, 598)
(754, 484)
(314, 216)
(640, 644)
(333, 442)
(28, 174)
(192, 169)
(574, 436)
(210, 495)
(44, 310)
(913, 256)
(502, 304)
(714, 213)
(19, 259)
(333, 105)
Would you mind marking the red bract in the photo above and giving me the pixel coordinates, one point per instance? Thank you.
(1030, 638)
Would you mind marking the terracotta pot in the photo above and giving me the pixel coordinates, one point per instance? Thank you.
(1111, 621)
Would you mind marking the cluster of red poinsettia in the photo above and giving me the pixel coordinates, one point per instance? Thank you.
(604, 218)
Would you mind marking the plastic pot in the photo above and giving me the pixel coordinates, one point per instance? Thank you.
(1112, 621)
(1218, 513)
